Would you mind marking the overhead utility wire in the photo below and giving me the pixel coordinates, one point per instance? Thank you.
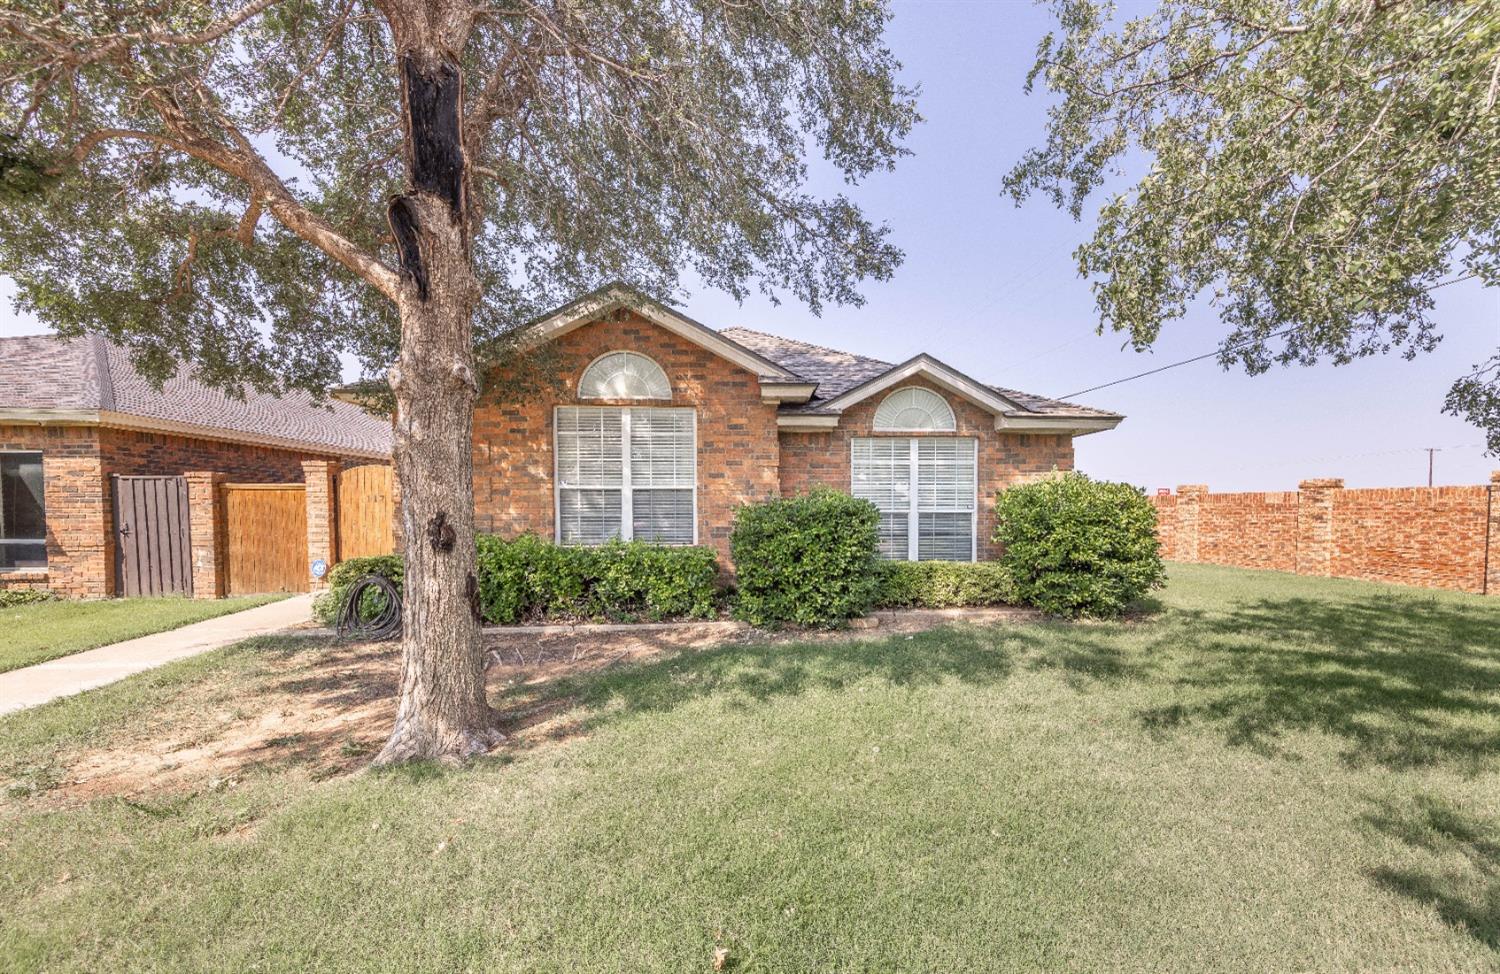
(1224, 351)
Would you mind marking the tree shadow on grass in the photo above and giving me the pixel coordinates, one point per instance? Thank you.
(1463, 881)
(757, 673)
(1403, 682)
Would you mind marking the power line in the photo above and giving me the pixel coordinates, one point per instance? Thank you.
(1224, 351)
(1186, 361)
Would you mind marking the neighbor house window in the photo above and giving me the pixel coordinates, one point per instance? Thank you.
(624, 375)
(23, 513)
(628, 473)
(925, 490)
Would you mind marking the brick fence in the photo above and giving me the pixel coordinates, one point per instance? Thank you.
(1435, 537)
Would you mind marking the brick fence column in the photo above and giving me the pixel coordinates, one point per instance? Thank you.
(1189, 519)
(1492, 548)
(322, 523)
(206, 533)
(1315, 525)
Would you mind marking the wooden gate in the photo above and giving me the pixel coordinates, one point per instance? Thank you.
(364, 507)
(265, 538)
(151, 536)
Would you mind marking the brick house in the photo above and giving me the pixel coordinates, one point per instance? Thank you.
(662, 427)
(73, 413)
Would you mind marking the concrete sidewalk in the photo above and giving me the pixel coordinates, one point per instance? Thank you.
(33, 685)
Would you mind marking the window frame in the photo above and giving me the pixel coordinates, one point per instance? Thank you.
(952, 419)
(628, 352)
(626, 488)
(41, 461)
(913, 511)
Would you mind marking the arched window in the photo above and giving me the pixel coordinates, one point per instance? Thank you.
(914, 410)
(624, 375)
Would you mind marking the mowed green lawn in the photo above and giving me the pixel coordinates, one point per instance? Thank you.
(47, 630)
(1273, 773)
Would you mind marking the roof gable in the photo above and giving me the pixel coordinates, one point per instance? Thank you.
(615, 297)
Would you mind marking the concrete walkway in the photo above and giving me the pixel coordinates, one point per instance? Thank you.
(33, 685)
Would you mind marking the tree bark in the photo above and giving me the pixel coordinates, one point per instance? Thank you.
(443, 711)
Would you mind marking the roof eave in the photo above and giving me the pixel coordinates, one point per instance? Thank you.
(613, 297)
(150, 424)
(1072, 425)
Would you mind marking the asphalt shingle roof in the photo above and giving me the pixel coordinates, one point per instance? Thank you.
(837, 372)
(90, 373)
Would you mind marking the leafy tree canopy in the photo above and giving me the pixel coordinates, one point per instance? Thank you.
(1317, 167)
(165, 166)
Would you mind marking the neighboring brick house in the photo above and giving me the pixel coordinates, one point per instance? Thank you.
(662, 427)
(75, 412)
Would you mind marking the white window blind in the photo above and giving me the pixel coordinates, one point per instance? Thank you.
(626, 473)
(925, 489)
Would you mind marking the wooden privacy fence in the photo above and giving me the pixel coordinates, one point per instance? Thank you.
(265, 538)
(151, 536)
(1436, 537)
(365, 502)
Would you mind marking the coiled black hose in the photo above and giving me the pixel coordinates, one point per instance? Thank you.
(384, 624)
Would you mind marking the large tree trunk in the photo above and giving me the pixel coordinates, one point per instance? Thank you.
(442, 712)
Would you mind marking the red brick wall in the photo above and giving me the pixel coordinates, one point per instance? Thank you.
(1249, 530)
(1434, 537)
(77, 462)
(823, 457)
(77, 531)
(1428, 536)
(738, 459)
(1166, 524)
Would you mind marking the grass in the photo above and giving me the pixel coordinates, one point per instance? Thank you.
(1272, 773)
(41, 631)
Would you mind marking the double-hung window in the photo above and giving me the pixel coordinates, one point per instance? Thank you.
(925, 488)
(23, 512)
(626, 472)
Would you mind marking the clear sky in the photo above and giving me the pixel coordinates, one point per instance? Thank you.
(992, 290)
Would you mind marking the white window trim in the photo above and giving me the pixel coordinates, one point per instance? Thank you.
(627, 500)
(913, 503)
(42, 454)
(952, 416)
(624, 351)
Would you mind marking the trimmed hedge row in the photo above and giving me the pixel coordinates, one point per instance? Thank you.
(1072, 546)
(530, 580)
(943, 584)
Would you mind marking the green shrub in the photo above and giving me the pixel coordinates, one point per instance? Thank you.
(528, 579)
(343, 576)
(943, 584)
(24, 596)
(806, 560)
(1079, 547)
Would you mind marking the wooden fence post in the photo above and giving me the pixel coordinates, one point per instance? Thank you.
(322, 520)
(1315, 525)
(1492, 540)
(1189, 519)
(206, 532)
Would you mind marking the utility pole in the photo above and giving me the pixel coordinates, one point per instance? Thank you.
(1430, 451)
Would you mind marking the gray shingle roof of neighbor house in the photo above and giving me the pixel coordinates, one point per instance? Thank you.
(91, 380)
(838, 372)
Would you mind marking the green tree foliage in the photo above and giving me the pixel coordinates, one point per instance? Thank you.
(1079, 547)
(209, 180)
(1316, 167)
(808, 560)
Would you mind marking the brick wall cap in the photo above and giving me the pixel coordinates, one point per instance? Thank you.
(1322, 483)
(1192, 488)
(1495, 477)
